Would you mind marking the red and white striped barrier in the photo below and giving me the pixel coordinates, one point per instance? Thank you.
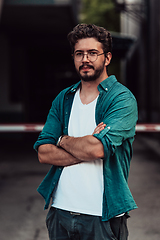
(147, 127)
(30, 127)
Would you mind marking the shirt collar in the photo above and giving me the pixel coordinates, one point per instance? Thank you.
(74, 88)
(107, 83)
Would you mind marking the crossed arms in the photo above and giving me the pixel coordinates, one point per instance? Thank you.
(72, 150)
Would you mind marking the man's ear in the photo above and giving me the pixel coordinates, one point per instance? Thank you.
(108, 58)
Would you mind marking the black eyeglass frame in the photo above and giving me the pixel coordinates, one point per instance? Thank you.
(87, 56)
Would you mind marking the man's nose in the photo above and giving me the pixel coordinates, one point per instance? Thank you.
(85, 58)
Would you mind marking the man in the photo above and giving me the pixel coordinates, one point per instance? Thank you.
(88, 139)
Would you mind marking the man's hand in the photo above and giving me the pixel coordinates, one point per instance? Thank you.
(99, 128)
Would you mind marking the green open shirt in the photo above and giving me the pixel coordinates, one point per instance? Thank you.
(117, 108)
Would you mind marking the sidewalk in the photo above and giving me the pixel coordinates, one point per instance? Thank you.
(144, 182)
(21, 213)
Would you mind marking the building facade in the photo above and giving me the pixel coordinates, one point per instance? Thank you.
(35, 57)
(141, 66)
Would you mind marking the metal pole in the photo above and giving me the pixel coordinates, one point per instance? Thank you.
(1, 3)
(148, 63)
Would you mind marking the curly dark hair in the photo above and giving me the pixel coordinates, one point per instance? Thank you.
(91, 31)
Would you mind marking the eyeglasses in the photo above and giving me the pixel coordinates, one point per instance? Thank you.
(91, 56)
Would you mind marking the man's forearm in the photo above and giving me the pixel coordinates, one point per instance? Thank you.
(51, 154)
(87, 148)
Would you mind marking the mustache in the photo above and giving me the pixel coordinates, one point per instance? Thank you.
(85, 65)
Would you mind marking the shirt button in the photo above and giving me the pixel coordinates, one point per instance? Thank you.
(66, 113)
(108, 127)
(106, 89)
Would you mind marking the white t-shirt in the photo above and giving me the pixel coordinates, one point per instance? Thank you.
(80, 188)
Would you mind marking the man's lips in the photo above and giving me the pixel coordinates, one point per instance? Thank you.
(86, 67)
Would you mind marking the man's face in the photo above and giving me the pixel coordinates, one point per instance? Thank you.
(88, 70)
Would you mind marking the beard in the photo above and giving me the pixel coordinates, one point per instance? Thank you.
(97, 72)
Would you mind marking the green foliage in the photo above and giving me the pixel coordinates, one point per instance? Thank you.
(101, 13)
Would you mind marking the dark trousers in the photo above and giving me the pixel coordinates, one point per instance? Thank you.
(65, 225)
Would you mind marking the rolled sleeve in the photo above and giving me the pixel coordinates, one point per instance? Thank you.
(120, 120)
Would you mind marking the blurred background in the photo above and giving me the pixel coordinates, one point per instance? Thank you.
(36, 64)
(35, 57)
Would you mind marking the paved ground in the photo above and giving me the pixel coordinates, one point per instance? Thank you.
(144, 182)
(21, 208)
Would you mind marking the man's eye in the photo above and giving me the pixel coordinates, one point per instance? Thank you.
(78, 54)
(93, 53)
